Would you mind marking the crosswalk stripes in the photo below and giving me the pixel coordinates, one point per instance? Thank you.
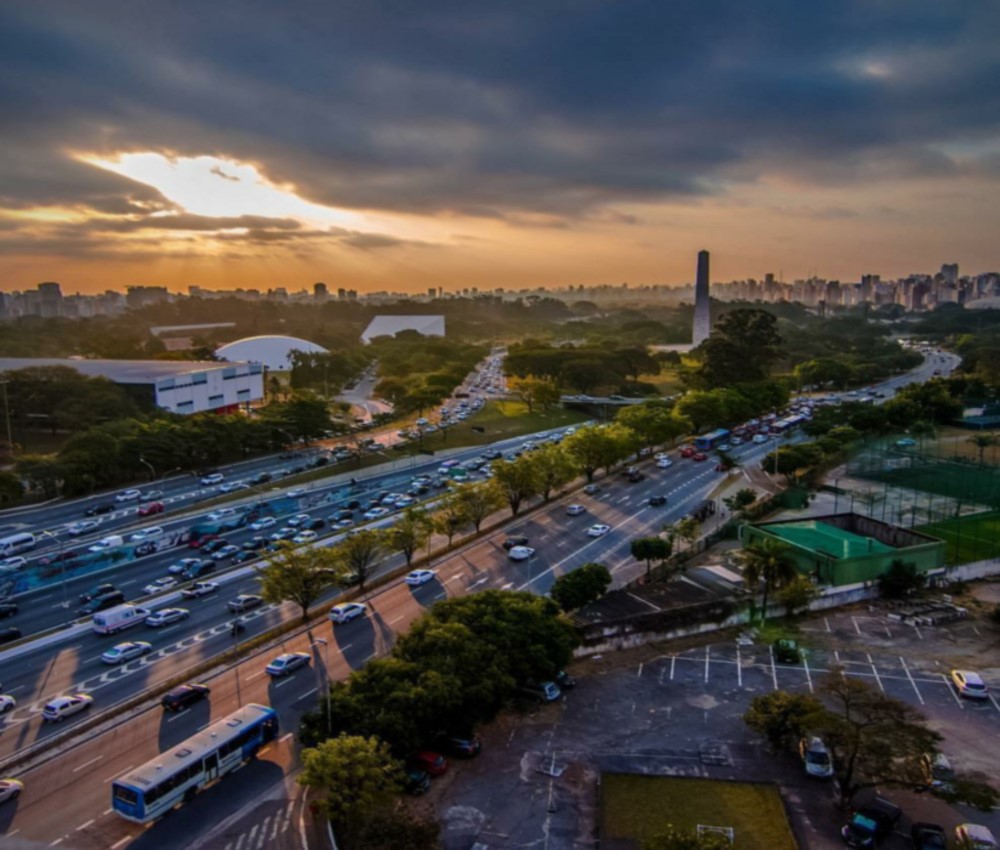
(264, 833)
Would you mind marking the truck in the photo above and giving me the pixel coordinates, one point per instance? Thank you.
(120, 617)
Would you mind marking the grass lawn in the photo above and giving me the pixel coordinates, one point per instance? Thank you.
(501, 420)
(973, 538)
(640, 807)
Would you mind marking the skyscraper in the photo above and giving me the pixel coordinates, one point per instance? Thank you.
(702, 320)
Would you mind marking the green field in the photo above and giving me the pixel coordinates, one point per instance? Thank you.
(971, 538)
(639, 807)
(965, 482)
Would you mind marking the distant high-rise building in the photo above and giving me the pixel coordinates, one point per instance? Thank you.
(949, 271)
(341, 293)
(702, 318)
(50, 300)
(319, 291)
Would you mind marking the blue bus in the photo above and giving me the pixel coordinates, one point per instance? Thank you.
(709, 441)
(148, 792)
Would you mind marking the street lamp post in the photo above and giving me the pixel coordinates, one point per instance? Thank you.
(6, 415)
(149, 466)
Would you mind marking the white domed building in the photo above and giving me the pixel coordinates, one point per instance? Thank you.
(272, 352)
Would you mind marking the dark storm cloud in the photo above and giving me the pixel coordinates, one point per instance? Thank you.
(510, 110)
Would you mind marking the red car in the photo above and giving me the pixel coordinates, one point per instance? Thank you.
(150, 508)
(699, 456)
(687, 451)
(434, 763)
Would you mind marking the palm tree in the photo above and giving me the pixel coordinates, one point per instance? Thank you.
(983, 442)
(768, 561)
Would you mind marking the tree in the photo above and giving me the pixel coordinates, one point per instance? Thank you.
(358, 778)
(305, 417)
(581, 586)
(409, 533)
(743, 346)
(797, 594)
(590, 447)
(686, 839)
(636, 362)
(702, 408)
(650, 549)
(769, 563)
(900, 580)
(11, 488)
(517, 480)
(42, 472)
(686, 529)
(358, 553)
(553, 467)
(740, 500)
(449, 516)
(782, 718)
(534, 391)
(298, 574)
(654, 422)
(982, 442)
(873, 739)
(477, 501)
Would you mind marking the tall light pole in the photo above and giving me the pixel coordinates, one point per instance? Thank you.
(149, 466)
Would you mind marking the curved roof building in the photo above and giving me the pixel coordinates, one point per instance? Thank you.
(273, 352)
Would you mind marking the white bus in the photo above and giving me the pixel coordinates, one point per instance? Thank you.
(150, 791)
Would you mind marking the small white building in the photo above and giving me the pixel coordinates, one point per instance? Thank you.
(272, 352)
(392, 325)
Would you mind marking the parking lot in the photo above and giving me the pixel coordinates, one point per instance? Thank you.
(677, 710)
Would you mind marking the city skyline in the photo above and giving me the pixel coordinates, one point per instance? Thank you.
(456, 146)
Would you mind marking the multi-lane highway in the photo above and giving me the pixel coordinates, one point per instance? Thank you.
(67, 798)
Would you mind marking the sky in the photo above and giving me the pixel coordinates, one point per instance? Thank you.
(457, 143)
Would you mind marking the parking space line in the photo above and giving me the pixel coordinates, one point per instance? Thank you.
(908, 676)
(875, 672)
(951, 690)
(993, 700)
(774, 672)
(857, 628)
(809, 678)
(706, 664)
(917, 630)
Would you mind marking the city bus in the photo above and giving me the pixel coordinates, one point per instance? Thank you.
(711, 440)
(150, 791)
(789, 423)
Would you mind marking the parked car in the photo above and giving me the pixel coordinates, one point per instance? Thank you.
(928, 836)
(184, 695)
(816, 758)
(787, 651)
(870, 823)
(434, 763)
(287, 663)
(416, 781)
(969, 684)
(974, 836)
(591, 489)
(937, 772)
(461, 746)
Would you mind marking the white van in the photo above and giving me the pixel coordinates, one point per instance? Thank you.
(112, 541)
(16, 543)
(118, 618)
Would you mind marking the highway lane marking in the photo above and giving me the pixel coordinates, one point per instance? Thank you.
(57, 841)
(85, 824)
(178, 714)
(114, 776)
(284, 682)
(396, 620)
(307, 694)
(121, 841)
(94, 760)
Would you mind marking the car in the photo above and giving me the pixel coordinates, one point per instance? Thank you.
(416, 781)
(306, 536)
(150, 508)
(182, 566)
(261, 478)
(938, 774)
(969, 684)
(245, 555)
(657, 501)
(520, 553)
(698, 457)
(419, 577)
(10, 789)
(98, 590)
(8, 609)
(254, 543)
(376, 513)
(349, 611)
(128, 496)
(342, 515)
(75, 529)
(565, 681)
(233, 486)
(284, 533)
(298, 519)
(143, 534)
(295, 492)
(123, 652)
(634, 476)
(724, 447)
(598, 530)
(199, 589)
(212, 479)
(151, 495)
(434, 763)
(166, 616)
(160, 584)
(816, 758)
(263, 522)
(591, 489)
(974, 836)
(928, 836)
(760, 438)
(870, 823)
(220, 514)
(688, 451)
(786, 651)
(227, 551)
(97, 510)
(575, 510)
(906, 442)
(102, 602)
(244, 602)
(664, 463)
(461, 746)
(515, 540)
(287, 663)
(184, 695)
(13, 564)
(9, 634)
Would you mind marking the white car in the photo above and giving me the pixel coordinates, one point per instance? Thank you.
(263, 522)
(201, 588)
(123, 652)
(969, 684)
(520, 553)
(591, 489)
(62, 707)
(182, 565)
(306, 536)
(160, 584)
(575, 510)
(664, 463)
(82, 527)
(7, 703)
(221, 514)
(13, 564)
(348, 612)
(760, 438)
(128, 496)
(144, 534)
(419, 577)
(233, 486)
(598, 530)
(213, 479)
(10, 789)
(298, 519)
(166, 616)
(295, 492)
(376, 513)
